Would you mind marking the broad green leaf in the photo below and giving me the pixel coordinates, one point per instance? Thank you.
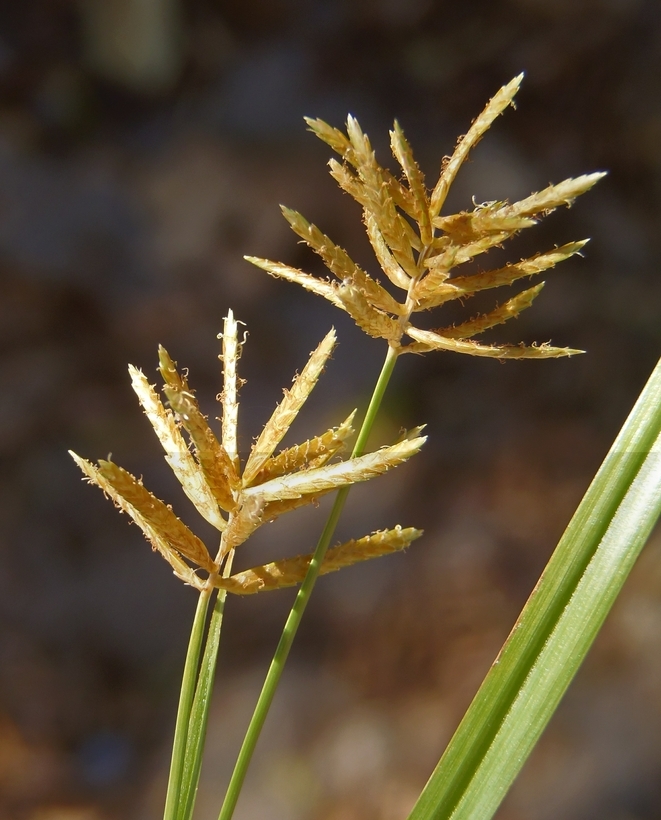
(557, 625)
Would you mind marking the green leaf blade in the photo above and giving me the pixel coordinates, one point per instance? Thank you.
(556, 627)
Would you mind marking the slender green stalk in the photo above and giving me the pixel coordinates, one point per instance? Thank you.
(291, 626)
(199, 715)
(184, 710)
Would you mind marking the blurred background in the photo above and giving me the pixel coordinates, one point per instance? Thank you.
(144, 148)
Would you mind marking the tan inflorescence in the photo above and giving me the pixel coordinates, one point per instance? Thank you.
(419, 250)
(236, 502)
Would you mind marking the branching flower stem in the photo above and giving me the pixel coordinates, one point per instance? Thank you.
(294, 619)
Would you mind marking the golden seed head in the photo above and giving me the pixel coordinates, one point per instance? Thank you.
(209, 470)
(418, 249)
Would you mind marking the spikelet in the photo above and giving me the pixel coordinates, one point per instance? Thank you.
(292, 571)
(422, 259)
(229, 358)
(285, 413)
(366, 315)
(332, 476)
(376, 199)
(158, 541)
(214, 462)
(404, 155)
(462, 286)
(311, 283)
(270, 486)
(314, 452)
(177, 454)
(162, 527)
(340, 263)
(428, 340)
(502, 99)
(509, 310)
(388, 263)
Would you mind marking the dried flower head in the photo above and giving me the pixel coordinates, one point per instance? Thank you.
(237, 501)
(418, 250)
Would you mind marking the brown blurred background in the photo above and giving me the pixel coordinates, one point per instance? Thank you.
(144, 148)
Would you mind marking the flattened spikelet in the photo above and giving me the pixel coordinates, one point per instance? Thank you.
(230, 357)
(392, 269)
(374, 322)
(216, 465)
(292, 571)
(543, 202)
(338, 261)
(510, 273)
(334, 476)
(311, 283)
(331, 136)
(378, 200)
(404, 155)
(177, 454)
(314, 452)
(427, 340)
(285, 413)
(157, 514)
(508, 310)
(161, 526)
(502, 99)
(469, 226)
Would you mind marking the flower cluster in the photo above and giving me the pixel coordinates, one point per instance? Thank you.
(235, 500)
(419, 250)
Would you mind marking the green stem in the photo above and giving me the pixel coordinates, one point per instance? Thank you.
(199, 715)
(185, 703)
(293, 621)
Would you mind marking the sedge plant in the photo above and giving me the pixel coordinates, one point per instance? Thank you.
(420, 252)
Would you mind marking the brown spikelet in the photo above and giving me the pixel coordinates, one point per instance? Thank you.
(159, 516)
(428, 296)
(314, 452)
(177, 454)
(158, 542)
(340, 263)
(508, 310)
(404, 155)
(427, 340)
(392, 269)
(485, 220)
(447, 255)
(373, 321)
(543, 202)
(322, 288)
(216, 465)
(378, 201)
(292, 571)
(494, 108)
(285, 413)
(331, 136)
(334, 476)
